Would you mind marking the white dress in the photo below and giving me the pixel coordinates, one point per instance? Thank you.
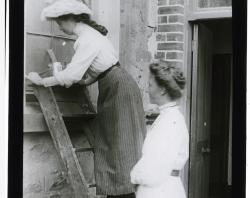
(165, 148)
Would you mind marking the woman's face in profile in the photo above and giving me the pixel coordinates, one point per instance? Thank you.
(154, 90)
(66, 26)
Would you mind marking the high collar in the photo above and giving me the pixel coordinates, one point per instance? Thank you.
(166, 106)
(80, 29)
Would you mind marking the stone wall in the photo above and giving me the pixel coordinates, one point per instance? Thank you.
(44, 174)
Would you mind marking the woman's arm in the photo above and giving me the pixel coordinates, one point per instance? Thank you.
(47, 82)
(52, 81)
(158, 161)
(86, 52)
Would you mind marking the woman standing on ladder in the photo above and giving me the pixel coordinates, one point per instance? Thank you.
(120, 116)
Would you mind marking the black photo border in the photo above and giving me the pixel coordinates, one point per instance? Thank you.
(16, 68)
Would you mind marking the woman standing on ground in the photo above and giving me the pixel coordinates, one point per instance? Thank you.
(120, 113)
(165, 150)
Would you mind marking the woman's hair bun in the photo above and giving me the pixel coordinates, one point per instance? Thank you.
(103, 30)
(169, 76)
(179, 77)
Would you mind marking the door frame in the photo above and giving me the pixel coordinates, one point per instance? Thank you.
(195, 145)
(193, 123)
(189, 71)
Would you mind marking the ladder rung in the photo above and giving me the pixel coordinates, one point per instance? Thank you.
(77, 150)
(30, 96)
(92, 185)
(81, 115)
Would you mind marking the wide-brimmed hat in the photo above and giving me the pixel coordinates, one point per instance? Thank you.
(63, 7)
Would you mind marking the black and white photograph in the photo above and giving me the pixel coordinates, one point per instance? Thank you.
(128, 99)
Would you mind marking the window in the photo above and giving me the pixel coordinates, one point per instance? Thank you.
(214, 3)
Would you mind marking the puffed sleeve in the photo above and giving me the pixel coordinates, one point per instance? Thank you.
(160, 154)
(85, 53)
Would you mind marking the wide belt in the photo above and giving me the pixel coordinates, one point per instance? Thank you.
(103, 74)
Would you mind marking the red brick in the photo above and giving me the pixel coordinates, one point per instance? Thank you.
(176, 19)
(174, 55)
(160, 37)
(160, 55)
(174, 37)
(170, 46)
(170, 28)
(162, 2)
(163, 19)
(176, 2)
(171, 10)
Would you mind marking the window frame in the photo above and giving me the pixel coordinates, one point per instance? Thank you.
(196, 13)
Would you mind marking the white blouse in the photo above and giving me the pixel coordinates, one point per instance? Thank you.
(165, 148)
(92, 51)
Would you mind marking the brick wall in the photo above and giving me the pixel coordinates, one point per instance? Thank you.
(170, 31)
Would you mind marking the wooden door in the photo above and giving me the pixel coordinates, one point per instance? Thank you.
(200, 114)
(221, 124)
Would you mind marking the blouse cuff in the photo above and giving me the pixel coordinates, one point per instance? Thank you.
(62, 80)
(50, 81)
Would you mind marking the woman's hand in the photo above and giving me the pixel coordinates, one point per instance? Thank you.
(35, 78)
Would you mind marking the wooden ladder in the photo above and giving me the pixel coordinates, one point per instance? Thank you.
(60, 105)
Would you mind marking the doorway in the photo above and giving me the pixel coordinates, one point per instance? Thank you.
(210, 148)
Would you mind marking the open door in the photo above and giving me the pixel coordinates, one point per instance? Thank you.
(200, 112)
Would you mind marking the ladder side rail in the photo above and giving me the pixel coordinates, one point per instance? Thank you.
(62, 140)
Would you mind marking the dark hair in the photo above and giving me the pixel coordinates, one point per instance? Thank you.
(169, 77)
(85, 18)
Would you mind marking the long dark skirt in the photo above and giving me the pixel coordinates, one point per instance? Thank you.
(120, 134)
